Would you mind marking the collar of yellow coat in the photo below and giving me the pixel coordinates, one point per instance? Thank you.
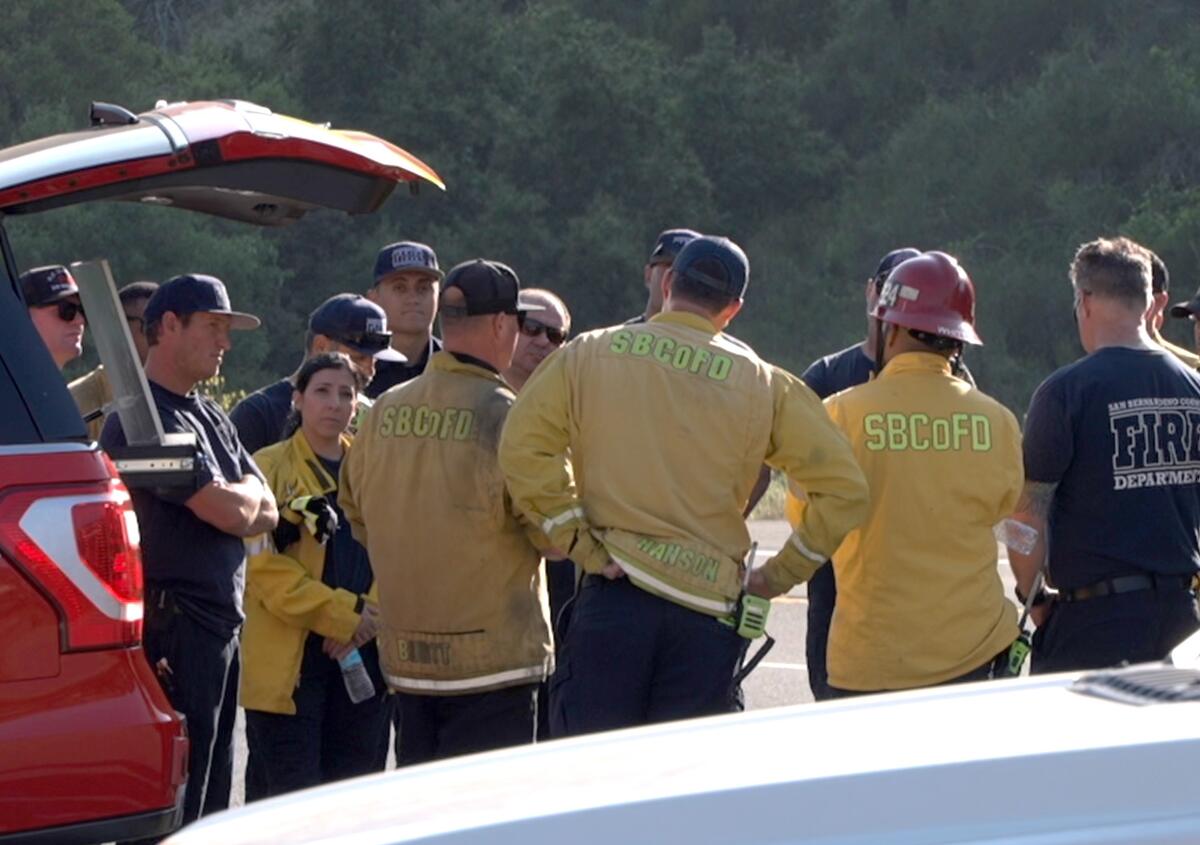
(309, 466)
(446, 362)
(686, 318)
(911, 362)
(1189, 359)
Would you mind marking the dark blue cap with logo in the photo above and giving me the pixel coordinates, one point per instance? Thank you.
(47, 285)
(488, 287)
(194, 293)
(356, 322)
(668, 245)
(890, 261)
(714, 262)
(406, 256)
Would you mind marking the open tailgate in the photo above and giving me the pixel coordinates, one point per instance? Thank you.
(228, 158)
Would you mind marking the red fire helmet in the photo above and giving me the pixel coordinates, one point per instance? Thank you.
(930, 293)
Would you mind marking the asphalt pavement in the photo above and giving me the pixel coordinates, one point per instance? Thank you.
(782, 677)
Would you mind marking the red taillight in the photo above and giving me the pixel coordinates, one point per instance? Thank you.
(103, 538)
(93, 573)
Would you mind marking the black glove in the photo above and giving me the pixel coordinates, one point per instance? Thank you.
(318, 514)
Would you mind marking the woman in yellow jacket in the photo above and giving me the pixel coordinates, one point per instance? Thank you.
(310, 603)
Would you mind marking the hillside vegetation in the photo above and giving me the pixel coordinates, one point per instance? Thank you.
(569, 132)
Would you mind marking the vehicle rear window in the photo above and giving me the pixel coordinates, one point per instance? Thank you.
(35, 406)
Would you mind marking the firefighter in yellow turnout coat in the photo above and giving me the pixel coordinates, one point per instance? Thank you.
(635, 448)
(310, 601)
(920, 600)
(465, 638)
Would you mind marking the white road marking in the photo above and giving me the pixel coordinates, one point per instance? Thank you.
(799, 667)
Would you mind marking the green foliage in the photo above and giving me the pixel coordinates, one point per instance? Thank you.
(569, 132)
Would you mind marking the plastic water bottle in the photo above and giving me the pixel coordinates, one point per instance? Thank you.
(354, 673)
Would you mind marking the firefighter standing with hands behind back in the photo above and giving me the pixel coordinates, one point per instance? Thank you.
(635, 449)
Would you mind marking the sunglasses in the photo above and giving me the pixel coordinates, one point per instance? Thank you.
(68, 310)
(374, 341)
(532, 328)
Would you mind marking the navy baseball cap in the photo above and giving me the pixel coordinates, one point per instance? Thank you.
(668, 245)
(404, 256)
(714, 262)
(356, 322)
(194, 293)
(488, 287)
(889, 262)
(47, 285)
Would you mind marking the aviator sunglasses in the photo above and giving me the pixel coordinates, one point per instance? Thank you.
(533, 328)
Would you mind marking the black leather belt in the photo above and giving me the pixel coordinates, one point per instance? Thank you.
(1127, 584)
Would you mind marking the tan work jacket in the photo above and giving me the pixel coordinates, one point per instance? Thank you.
(642, 443)
(460, 583)
(91, 393)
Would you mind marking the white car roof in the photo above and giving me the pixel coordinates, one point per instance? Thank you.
(1029, 760)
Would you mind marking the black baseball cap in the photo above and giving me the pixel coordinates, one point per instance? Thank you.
(47, 285)
(1191, 308)
(488, 287)
(889, 263)
(714, 262)
(668, 245)
(356, 322)
(194, 293)
(404, 256)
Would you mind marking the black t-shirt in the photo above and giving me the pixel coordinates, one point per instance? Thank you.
(850, 368)
(839, 371)
(346, 562)
(1119, 432)
(390, 373)
(200, 565)
(261, 417)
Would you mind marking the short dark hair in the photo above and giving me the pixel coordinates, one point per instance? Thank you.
(707, 297)
(1160, 279)
(326, 361)
(154, 328)
(136, 292)
(1113, 268)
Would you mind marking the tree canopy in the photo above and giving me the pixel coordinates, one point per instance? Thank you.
(819, 135)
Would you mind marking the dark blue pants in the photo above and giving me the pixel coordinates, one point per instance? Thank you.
(441, 726)
(200, 679)
(560, 583)
(329, 738)
(632, 658)
(1102, 632)
(981, 673)
(822, 595)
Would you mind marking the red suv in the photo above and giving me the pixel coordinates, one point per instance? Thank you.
(90, 748)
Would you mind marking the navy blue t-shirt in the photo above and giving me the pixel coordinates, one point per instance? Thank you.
(850, 368)
(388, 374)
(1119, 432)
(201, 566)
(261, 417)
(839, 371)
(346, 562)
